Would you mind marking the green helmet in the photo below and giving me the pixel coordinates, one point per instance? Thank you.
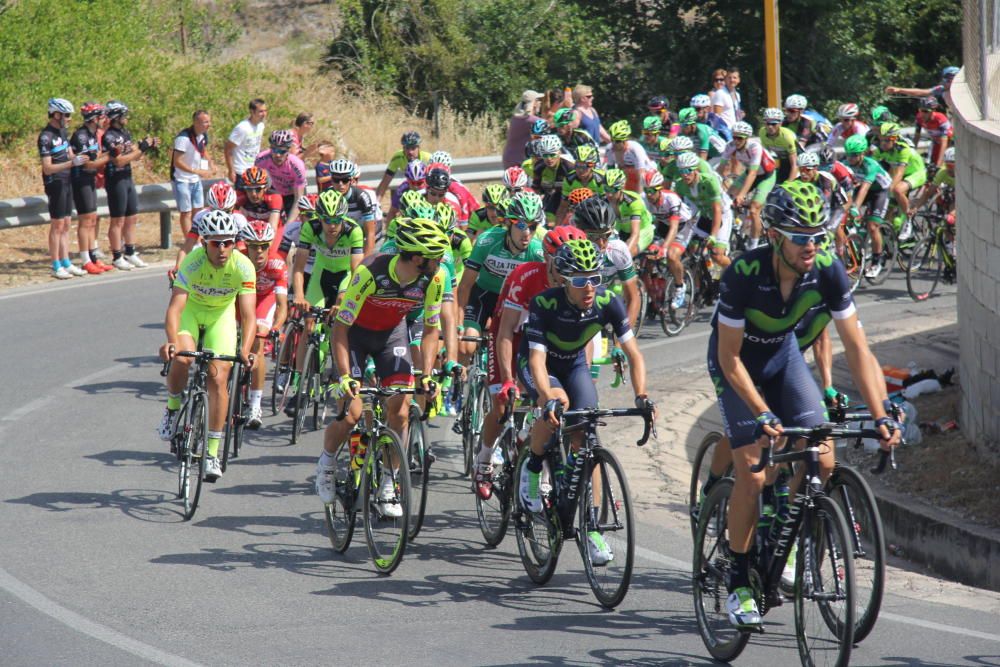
(586, 154)
(494, 193)
(620, 130)
(331, 204)
(614, 180)
(576, 256)
(687, 116)
(421, 209)
(664, 145)
(421, 236)
(881, 114)
(652, 124)
(855, 145)
(564, 117)
(795, 204)
(445, 215)
(411, 198)
(526, 207)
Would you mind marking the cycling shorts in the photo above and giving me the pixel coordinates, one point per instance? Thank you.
(325, 287)
(788, 389)
(480, 307)
(416, 331)
(876, 204)
(916, 180)
(389, 350)
(645, 236)
(267, 304)
(123, 200)
(493, 377)
(573, 378)
(287, 201)
(220, 327)
(761, 187)
(84, 196)
(60, 195)
(701, 229)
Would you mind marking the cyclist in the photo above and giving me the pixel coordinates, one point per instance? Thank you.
(486, 217)
(947, 76)
(255, 200)
(652, 133)
(550, 171)
(221, 197)
(834, 192)
(871, 190)
(371, 322)
(760, 376)
(708, 200)
(670, 213)
(847, 125)
(272, 304)
(942, 188)
(214, 283)
(906, 169)
(362, 207)
(515, 179)
(552, 362)
(938, 129)
(628, 155)
(801, 125)
(286, 171)
(702, 104)
(410, 151)
(84, 181)
(414, 180)
(504, 337)
(660, 106)
(583, 175)
(708, 143)
(781, 143)
(759, 174)
(570, 135)
(466, 199)
(635, 223)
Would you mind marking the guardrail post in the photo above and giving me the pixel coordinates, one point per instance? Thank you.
(165, 229)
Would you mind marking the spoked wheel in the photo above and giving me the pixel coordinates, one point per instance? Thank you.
(494, 513)
(888, 252)
(924, 269)
(193, 461)
(850, 490)
(607, 535)
(674, 320)
(419, 471)
(476, 404)
(235, 419)
(385, 498)
(302, 398)
(340, 514)
(539, 538)
(699, 474)
(320, 397)
(854, 259)
(643, 297)
(825, 594)
(281, 381)
(712, 563)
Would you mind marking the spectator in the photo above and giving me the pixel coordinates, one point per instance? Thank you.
(703, 106)
(189, 165)
(726, 100)
(304, 124)
(519, 127)
(938, 91)
(410, 143)
(86, 141)
(123, 201)
(556, 99)
(57, 160)
(590, 120)
(244, 141)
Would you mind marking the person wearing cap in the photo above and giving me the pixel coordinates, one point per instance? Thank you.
(244, 141)
(189, 165)
(85, 141)
(57, 160)
(519, 127)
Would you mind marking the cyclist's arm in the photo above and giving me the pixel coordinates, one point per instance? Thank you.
(449, 327)
(860, 193)
(908, 92)
(674, 224)
(916, 134)
(635, 222)
(274, 219)
(896, 172)
(433, 301)
(298, 275)
(859, 360)
(636, 366)
(539, 373)
(509, 319)
(293, 213)
(717, 219)
(369, 239)
(630, 288)
(383, 185)
(189, 243)
(469, 277)
(793, 159)
(338, 342)
(280, 311)
(563, 210)
(823, 356)
(730, 343)
(172, 320)
(930, 191)
(247, 305)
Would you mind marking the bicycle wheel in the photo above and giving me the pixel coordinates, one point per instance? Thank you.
(494, 513)
(304, 394)
(888, 251)
(673, 320)
(384, 533)
(281, 381)
(710, 577)
(854, 259)
(196, 435)
(419, 471)
(825, 594)
(178, 445)
(699, 474)
(643, 297)
(850, 490)
(539, 538)
(924, 269)
(472, 428)
(236, 417)
(340, 514)
(323, 374)
(605, 507)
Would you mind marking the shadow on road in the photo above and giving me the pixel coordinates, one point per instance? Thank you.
(142, 504)
(127, 458)
(149, 391)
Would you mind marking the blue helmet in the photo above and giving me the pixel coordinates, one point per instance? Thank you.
(949, 72)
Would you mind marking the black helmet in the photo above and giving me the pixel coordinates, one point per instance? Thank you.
(438, 179)
(595, 215)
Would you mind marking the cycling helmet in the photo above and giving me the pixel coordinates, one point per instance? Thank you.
(576, 256)
(795, 204)
(442, 158)
(257, 231)
(438, 178)
(847, 111)
(580, 195)
(421, 236)
(59, 105)
(949, 154)
(540, 127)
(410, 139)
(658, 102)
(515, 178)
(218, 223)
(221, 196)
(559, 235)
(494, 193)
(652, 124)
(416, 171)
(809, 159)
(549, 145)
(664, 146)
(595, 215)
(929, 102)
(411, 198)
(881, 114)
(681, 144)
(281, 139)
(742, 129)
(420, 208)
(796, 102)
(890, 131)
(652, 180)
(826, 155)
(564, 117)
(307, 203)
(855, 145)
(254, 178)
(92, 110)
(614, 180)
(586, 155)
(701, 101)
(687, 116)
(531, 149)
(526, 207)
(115, 109)
(949, 72)
(773, 115)
(331, 204)
(620, 130)
(687, 160)
(445, 215)
(342, 167)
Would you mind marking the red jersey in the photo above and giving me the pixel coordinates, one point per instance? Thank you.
(270, 203)
(466, 200)
(524, 283)
(273, 278)
(936, 126)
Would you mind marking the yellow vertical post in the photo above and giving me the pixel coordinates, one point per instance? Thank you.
(772, 53)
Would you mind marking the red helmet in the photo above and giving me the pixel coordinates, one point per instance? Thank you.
(221, 196)
(257, 231)
(559, 235)
(254, 178)
(515, 178)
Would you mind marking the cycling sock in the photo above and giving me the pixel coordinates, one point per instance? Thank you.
(66, 263)
(255, 395)
(85, 257)
(535, 462)
(56, 265)
(739, 576)
(173, 402)
(116, 255)
(92, 253)
(213, 442)
(326, 460)
(129, 249)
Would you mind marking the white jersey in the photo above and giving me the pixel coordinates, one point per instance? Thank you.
(634, 155)
(671, 206)
(838, 135)
(616, 261)
(751, 156)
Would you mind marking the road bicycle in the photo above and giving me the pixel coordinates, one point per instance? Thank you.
(240, 379)
(701, 284)
(317, 373)
(933, 259)
(282, 390)
(475, 404)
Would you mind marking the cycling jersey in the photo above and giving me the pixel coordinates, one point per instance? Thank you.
(84, 142)
(273, 278)
(335, 258)
(466, 200)
(548, 180)
(841, 135)
(942, 179)
(633, 206)
(704, 194)
(616, 262)
(376, 300)
(752, 156)
(671, 174)
(803, 128)
(652, 149)
(494, 261)
(524, 283)
(633, 155)
(52, 143)
(479, 221)
(117, 141)
(870, 171)
(595, 182)
(562, 331)
(936, 126)
(905, 156)
(399, 161)
(669, 207)
(461, 249)
(781, 145)
(286, 177)
(576, 138)
(707, 139)
(262, 210)
(215, 289)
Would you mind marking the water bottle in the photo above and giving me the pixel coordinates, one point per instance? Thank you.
(359, 447)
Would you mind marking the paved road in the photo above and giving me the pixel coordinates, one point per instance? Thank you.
(97, 567)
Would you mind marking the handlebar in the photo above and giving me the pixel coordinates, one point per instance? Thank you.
(204, 355)
(590, 414)
(472, 339)
(818, 433)
(379, 391)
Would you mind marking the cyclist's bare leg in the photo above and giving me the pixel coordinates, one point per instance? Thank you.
(756, 226)
(674, 254)
(336, 433)
(260, 367)
(743, 509)
(876, 234)
(178, 376)
(218, 394)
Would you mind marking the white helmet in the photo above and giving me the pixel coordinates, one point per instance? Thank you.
(218, 223)
(549, 144)
(221, 196)
(342, 167)
(809, 159)
(796, 102)
(681, 143)
(773, 114)
(58, 104)
(848, 110)
(687, 160)
(442, 157)
(514, 177)
(258, 231)
(742, 129)
(701, 101)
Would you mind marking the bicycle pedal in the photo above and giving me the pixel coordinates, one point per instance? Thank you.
(456, 428)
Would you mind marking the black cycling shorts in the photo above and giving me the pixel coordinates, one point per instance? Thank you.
(60, 196)
(389, 349)
(85, 196)
(573, 378)
(480, 307)
(123, 200)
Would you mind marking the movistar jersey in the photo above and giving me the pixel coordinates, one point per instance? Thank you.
(494, 261)
(211, 288)
(562, 331)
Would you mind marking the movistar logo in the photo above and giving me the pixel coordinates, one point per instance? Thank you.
(547, 304)
(747, 268)
(602, 300)
(824, 258)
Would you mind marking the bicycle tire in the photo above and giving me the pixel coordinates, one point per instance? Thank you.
(419, 471)
(699, 473)
(178, 447)
(197, 440)
(924, 269)
(473, 427)
(386, 550)
(854, 259)
(286, 352)
(302, 397)
(320, 384)
(494, 513)
(849, 489)
(643, 297)
(673, 321)
(465, 422)
(539, 539)
(824, 540)
(341, 513)
(888, 247)
(710, 577)
(614, 516)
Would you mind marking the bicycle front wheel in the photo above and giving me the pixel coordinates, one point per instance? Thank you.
(474, 425)
(699, 474)
(494, 513)
(193, 463)
(825, 594)
(303, 396)
(854, 259)
(385, 497)
(607, 533)
(340, 514)
(419, 471)
(924, 269)
(672, 320)
(539, 538)
(643, 297)
(888, 252)
(281, 381)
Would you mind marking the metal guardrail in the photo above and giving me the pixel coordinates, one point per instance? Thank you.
(159, 197)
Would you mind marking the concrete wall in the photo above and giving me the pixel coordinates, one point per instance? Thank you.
(978, 208)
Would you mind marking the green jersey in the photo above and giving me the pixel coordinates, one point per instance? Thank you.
(707, 139)
(214, 289)
(870, 171)
(632, 206)
(334, 258)
(595, 182)
(703, 194)
(782, 145)
(494, 261)
(903, 155)
(398, 161)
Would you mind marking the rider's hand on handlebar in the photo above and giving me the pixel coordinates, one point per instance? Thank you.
(346, 387)
(891, 430)
(167, 351)
(429, 386)
(301, 303)
(248, 360)
(549, 411)
(643, 403)
(508, 391)
(767, 423)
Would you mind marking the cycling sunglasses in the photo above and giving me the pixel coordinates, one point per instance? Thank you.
(598, 236)
(803, 239)
(341, 179)
(258, 245)
(684, 171)
(524, 226)
(550, 156)
(435, 191)
(582, 281)
(221, 243)
(279, 151)
(331, 221)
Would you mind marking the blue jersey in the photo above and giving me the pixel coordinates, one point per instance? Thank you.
(562, 331)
